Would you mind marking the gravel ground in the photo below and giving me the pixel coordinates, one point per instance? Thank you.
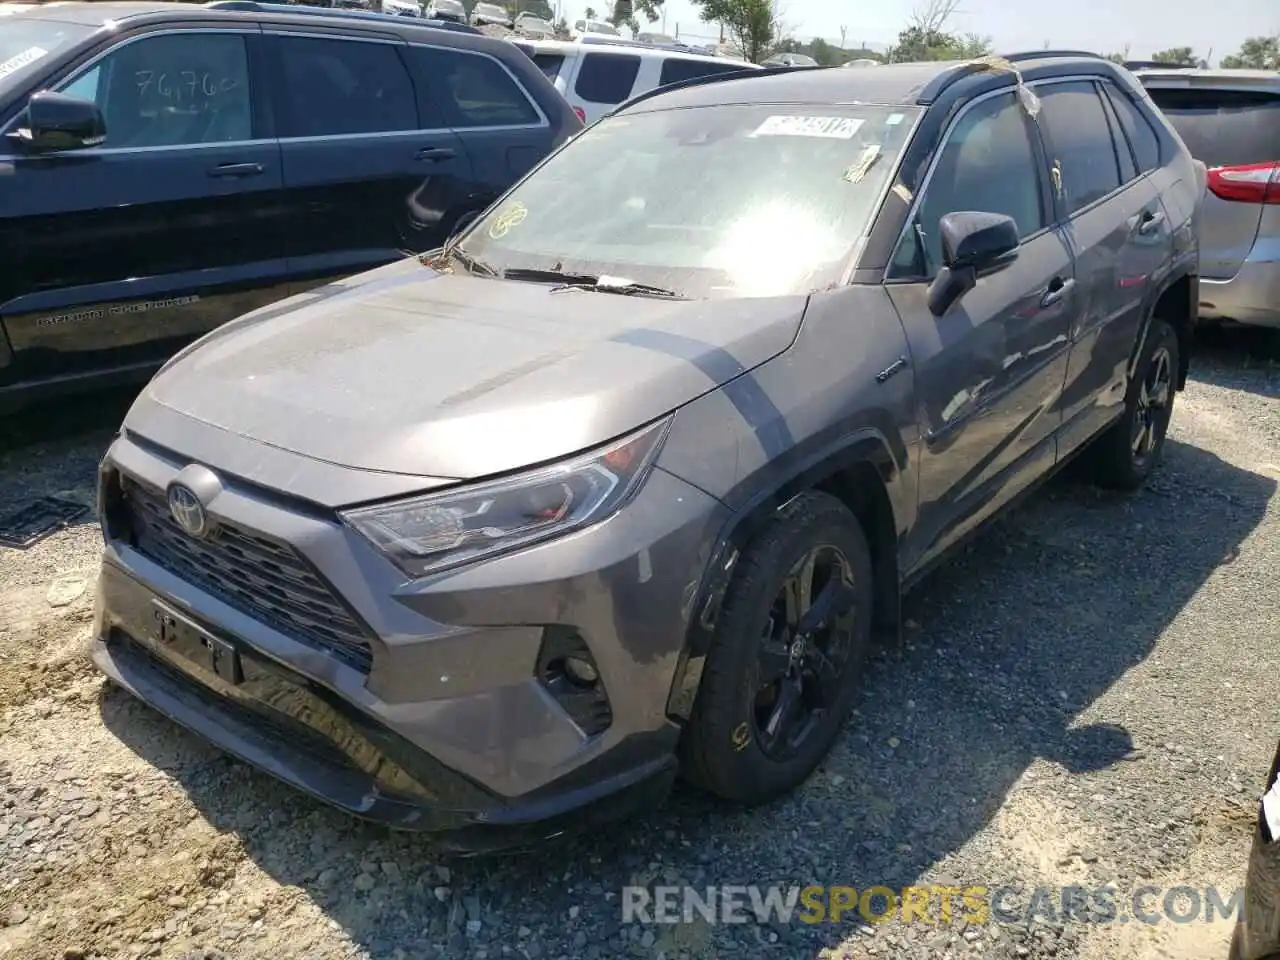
(1088, 696)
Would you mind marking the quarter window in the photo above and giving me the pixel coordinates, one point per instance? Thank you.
(1124, 154)
(474, 90)
(606, 77)
(1143, 139)
(334, 87)
(988, 164)
(172, 90)
(1081, 147)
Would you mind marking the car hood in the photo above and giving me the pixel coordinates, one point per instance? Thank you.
(407, 370)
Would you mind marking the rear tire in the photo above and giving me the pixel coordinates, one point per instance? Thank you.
(1124, 456)
(784, 665)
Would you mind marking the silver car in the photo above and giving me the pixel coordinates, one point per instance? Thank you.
(1230, 119)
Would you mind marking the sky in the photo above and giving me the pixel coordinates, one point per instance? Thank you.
(1107, 26)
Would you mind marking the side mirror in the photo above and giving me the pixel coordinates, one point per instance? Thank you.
(974, 244)
(54, 121)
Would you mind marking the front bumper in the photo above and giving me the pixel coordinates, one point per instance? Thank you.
(450, 724)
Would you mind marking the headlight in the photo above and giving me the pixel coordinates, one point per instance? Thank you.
(445, 530)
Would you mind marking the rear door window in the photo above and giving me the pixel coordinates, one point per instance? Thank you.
(474, 90)
(606, 77)
(334, 87)
(1080, 142)
(1224, 128)
(675, 69)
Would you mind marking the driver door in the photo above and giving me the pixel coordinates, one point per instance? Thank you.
(121, 253)
(989, 371)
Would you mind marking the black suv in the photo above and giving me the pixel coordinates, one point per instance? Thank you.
(165, 167)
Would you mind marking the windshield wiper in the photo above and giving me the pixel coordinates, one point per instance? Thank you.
(471, 263)
(590, 282)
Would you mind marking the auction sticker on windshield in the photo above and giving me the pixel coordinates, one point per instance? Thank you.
(16, 63)
(831, 128)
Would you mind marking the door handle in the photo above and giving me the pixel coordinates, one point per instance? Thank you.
(1149, 222)
(236, 170)
(432, 154)
(1057, 292)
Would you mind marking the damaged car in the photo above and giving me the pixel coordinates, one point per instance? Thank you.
(620, 483)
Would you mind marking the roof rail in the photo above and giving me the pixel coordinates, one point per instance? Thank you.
(751, 71)
(1021, 55)
(254, 6)
(1155, 65)
(935, 87)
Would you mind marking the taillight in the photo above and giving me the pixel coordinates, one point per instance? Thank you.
(580, 113)
(1251, 183)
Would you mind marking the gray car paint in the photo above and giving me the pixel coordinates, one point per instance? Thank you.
(463, 376)
(759, 391)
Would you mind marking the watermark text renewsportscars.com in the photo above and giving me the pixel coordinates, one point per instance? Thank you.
(975, 904)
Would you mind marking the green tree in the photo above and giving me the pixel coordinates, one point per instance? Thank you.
(825, 53)
(750, 24)
(624, 12)
(926, 37)
(589, 13)
(1176, 57)
(917, 43)
(1256, 53)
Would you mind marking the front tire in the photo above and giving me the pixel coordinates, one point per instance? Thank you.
(1125, 455)
(787, 655)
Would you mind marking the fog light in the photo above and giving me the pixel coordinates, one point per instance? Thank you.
(580, 670)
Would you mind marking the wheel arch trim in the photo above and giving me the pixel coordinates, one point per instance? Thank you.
(865, 445)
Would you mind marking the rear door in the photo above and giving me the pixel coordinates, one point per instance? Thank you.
(1120, 238)
(1232, 123)
(371, 169)
(502, 129)
(115, 256)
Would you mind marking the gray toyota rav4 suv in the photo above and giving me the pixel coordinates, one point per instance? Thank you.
(621, 481)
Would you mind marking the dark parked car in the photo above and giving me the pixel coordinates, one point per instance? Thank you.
(619, 482)
(165, 167)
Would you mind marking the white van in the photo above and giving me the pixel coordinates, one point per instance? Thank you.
(597, 76)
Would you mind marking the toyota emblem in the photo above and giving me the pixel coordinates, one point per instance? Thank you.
(187, 510)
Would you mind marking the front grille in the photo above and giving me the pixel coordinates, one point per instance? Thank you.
(259, 577)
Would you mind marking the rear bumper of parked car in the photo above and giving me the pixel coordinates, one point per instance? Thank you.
(458, 717)
(1257, 934)
(1252, 296)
